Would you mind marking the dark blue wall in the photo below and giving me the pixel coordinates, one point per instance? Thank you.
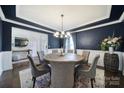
(53, 42)
(6, 36)
(91, 39)
(0, 34)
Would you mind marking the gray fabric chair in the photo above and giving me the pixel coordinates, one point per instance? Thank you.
(84, 62)
(91, 72)
(40, 56)
(55, 51)
(37, 70)
(85, 54)
(70, 51)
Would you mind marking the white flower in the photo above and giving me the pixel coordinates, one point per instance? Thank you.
(114, 40)
(105, 40)
(109, 42)
(103, 43)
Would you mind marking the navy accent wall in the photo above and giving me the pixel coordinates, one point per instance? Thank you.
(0, 34)
(53, 42)
(9, 10)
(91, 39)
(6, 37)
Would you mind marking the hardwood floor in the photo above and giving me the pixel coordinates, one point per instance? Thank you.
(10, 78)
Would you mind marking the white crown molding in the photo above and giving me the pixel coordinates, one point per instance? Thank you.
(15, 22)
(105, 24)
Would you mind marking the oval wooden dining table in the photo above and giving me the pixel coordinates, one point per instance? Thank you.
(62, 69)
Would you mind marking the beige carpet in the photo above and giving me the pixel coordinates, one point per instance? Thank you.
(43, 81)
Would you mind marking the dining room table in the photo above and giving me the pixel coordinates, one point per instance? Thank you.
(62, 69)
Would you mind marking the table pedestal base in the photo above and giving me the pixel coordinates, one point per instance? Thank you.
(62, 75)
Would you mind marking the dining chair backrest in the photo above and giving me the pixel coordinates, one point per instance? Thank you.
(54, 51)
(40, 55)
(33, 67)
(93, 66)
(37, 70)
(70, 51)
(86, 54)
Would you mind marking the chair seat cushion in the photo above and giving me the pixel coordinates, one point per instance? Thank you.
(82, 67)
(43, 67)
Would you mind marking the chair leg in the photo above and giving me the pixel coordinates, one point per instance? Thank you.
(50, 80)
(34, 79)
(76, 76)
(92, 82)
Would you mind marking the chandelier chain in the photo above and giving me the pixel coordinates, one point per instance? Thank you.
(62, 34)
(62, 20)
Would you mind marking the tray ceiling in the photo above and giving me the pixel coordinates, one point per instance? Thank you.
(74, 15)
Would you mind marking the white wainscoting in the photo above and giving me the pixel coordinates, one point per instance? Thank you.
(5, 61)
(50, 50)
(92, 55)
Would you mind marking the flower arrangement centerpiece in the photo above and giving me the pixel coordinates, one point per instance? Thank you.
(111, 41)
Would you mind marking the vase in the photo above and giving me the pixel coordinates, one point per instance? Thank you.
(111, 50)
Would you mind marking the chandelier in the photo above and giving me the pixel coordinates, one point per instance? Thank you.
(62, 34)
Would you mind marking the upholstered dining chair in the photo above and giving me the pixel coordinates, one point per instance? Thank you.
(40, 56)
(70, 51)
(55, 51)
(84, 62)
(91, 72)
(38, 70)
(85, 54)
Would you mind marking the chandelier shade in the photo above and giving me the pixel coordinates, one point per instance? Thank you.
(62, 34)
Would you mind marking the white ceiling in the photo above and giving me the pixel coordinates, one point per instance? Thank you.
(74, 15)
